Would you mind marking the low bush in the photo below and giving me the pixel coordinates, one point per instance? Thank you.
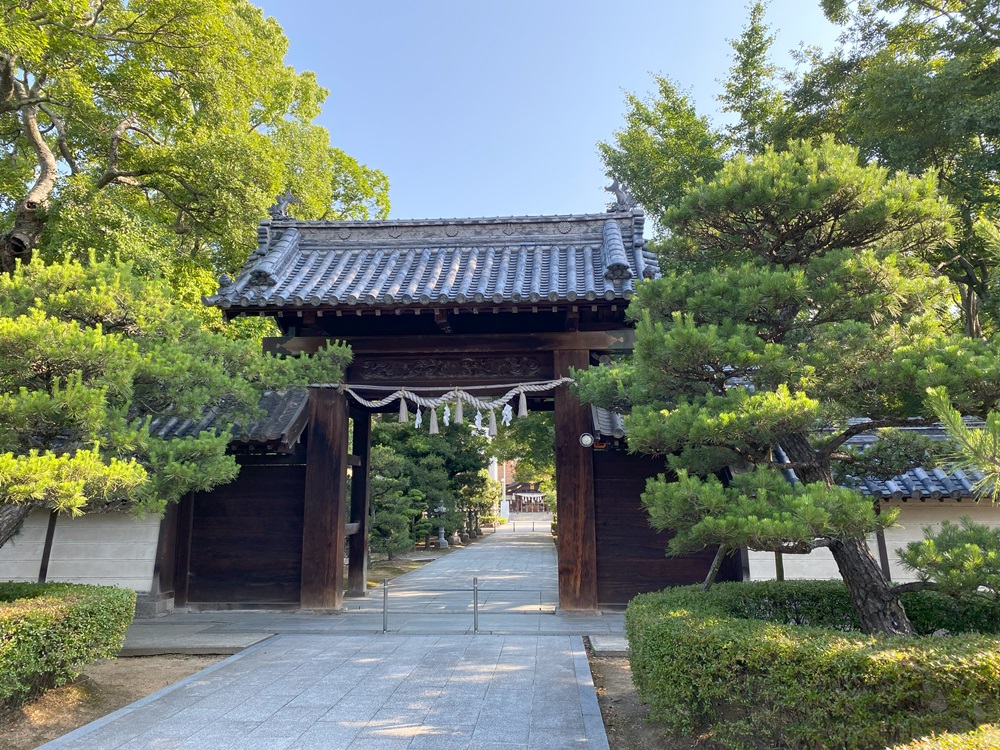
(770, 665)
(986, 737)
(492, 520)
(825, 604)
(50, 632)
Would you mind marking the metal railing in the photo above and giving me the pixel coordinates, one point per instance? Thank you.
(475, 591)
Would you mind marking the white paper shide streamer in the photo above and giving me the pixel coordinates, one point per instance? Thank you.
(455, 397)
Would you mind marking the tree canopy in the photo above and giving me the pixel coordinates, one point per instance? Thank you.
(913, 86)
(88, 355)
(795, 312)
(159, 131)
(916, 86)
(447, 469)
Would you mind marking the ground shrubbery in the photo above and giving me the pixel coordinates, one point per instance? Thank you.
(50, 632)
(986, 737)
(770, 665)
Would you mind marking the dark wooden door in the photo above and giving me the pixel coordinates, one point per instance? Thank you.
(246, 540)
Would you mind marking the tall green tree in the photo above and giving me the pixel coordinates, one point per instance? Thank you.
(751, 92)
(797, 304)
(916, 87)
(445, 468)
(664, 148)
(159, 131)
(397, 504)
(88, 355)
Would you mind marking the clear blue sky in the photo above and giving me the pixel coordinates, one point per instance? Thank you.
(495, 108)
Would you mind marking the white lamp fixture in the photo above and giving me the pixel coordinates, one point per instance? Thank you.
(586, 440)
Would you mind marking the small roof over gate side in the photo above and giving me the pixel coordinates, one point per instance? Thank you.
(489, 261)
(281, 424)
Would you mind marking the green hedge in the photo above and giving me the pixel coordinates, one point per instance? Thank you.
(826, 604)
(729, 662)
(50, 632)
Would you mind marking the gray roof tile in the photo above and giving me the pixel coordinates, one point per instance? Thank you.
(424, 263)
(919, 483)
(283, 421)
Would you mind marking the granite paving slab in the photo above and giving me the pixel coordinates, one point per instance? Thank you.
(361, 692)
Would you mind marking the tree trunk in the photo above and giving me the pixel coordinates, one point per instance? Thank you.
(11, 519)
(29, 213)
(872, 596)
(19, 243)
(970, 311)
(713, 571)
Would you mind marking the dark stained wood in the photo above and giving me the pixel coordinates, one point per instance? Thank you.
(50, 532)
(631, 555)
(182, 549)
(325, 501)
(246, 540)
(466, 369)
(357, 568)
(602, 341)
(166, 546)
(575, 493)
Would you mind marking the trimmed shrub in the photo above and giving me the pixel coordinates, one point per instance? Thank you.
(987, 737)
(758, 665)
(825, 604)
(50, 632)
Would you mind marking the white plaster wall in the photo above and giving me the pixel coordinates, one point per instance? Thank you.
(21, 556)
(913, 517)
(107, 549)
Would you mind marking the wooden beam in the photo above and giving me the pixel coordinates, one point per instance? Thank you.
(325, 501)
(575, 492)
(357, 569)
(441, 320)
(521, 343)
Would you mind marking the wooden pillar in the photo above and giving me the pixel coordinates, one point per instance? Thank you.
(575, 492)
(357, 569)
(182, 549)
(166, 550)
(325, 501)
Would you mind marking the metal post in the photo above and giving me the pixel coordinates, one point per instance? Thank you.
(532, 525)
(385, 605)
(475, 605)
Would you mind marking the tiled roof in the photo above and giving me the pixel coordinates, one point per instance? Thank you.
(920, 483)
(607, 423)
(283, 421)
(508, 260)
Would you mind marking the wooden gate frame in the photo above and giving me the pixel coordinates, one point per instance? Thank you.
(328, 458)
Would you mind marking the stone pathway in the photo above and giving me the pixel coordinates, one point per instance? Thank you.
(336, 681)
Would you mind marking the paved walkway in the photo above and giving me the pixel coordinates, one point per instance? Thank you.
(337, 681)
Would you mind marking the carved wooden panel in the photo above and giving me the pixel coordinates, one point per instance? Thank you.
(450, 370)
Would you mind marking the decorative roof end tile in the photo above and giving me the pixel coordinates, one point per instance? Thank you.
(616, 266)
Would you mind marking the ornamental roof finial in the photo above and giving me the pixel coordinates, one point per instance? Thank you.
(623, 199)
(280, 208)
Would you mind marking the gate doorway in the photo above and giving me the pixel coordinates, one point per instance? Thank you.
(445, 304)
